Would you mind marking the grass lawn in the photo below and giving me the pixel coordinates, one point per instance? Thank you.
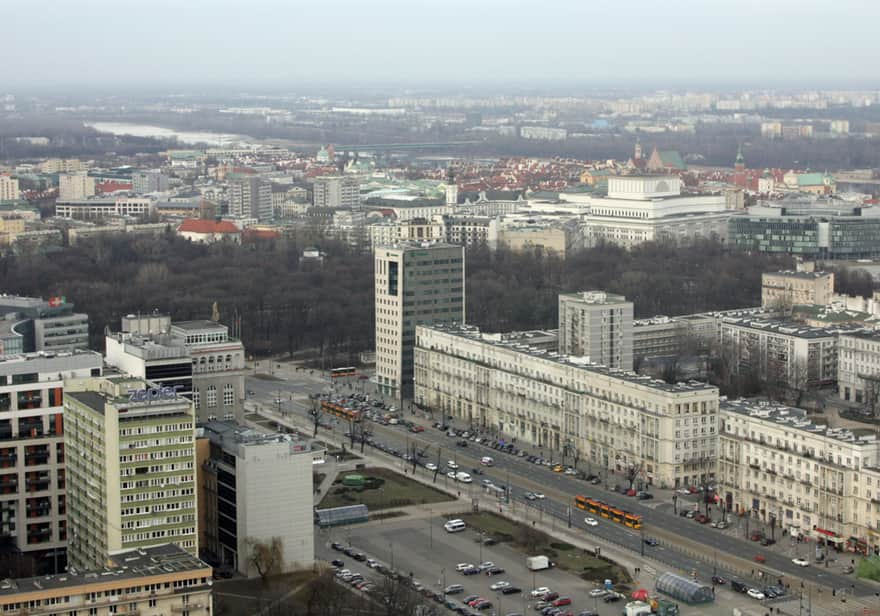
(533, 542)
(395, 490)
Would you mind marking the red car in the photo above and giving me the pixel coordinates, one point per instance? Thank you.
(562, 601)
(475, 601)
(418, 429)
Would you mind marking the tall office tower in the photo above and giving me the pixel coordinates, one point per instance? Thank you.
(33, 515)
(251, 198)
(44, 325)
(597, 325)
(8, 188)
(337, 191)
(416, 284)
(73, 186)
(130, 450)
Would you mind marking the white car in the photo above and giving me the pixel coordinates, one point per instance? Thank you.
(486, 565)
(487, 482)
(431, 466)
(499, 585)
(452, 465)
(539, 496)
(451, 475)
(800, 562)
(598, 592)
(540, 592)
(463, 566)
(754, 593)
(591, 522)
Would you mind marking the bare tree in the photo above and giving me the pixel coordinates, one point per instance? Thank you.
(267, 557)
(530, 538)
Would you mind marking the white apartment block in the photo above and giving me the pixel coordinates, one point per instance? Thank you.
(336, 191)
(416, 284)
(858, 368)
(9, 188)
(786, 289)
(251, 197)
(75, 186)
(33, 509)
(647, 208)
(597, 325)
(131, 465)
(543, 133)
(784, 353)
(774, 463)
(246, 470)
(613, 419)
(95, 209)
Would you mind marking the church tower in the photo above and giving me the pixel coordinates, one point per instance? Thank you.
(740, 164)
(637, 151)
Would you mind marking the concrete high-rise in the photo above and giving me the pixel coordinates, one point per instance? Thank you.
(33, 512)
(337, 191)
(251, 197)
(416, 284)
(597, 325)
(149, 181)
(9, 188)
(130, 450)
(74, 186)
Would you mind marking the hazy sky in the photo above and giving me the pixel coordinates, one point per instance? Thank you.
(285, 44)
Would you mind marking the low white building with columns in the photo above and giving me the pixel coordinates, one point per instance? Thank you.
(609, 419)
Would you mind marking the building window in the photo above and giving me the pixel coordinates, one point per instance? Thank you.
(228, 394)
(197, 397)
(212, 397)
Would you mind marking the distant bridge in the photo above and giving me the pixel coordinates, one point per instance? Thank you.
(389, 147)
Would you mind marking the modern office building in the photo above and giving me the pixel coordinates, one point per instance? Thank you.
(45, 325)
(336, 191)
(813, 228)
(778, 467)
(255, 486)
(858, 368)
(416, 284)
(33, 507)
(785, 354)
(9, 188)
(130, 452)
(647, 208)
(597, 325)
(798, 288)
(251, 197)
(158, 581)
(608, 418)
(144, 182)
(199, 357)
(75, 186)
(104, 207)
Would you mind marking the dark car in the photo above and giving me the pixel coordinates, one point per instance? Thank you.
(612, 598)
(470, 598)
(471, 571)
(645, 496)
(494, 571)
(717, 579)
(337, 546)
(550, 596)
(490, 541)
(485, 605)
(476, 471)
(767, 541)
(651, 541)
(348, 552)
(738, 586)
(511, 590)
(359, 556)
(337, 563)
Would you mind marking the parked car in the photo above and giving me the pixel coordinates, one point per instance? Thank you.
(754, 593)
(494, 571)
(801, 562)
(651, 541)
(511, 590)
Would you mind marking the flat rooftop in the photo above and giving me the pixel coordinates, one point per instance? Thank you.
(197, 325)
(595, 297)
(473, 333)
(788, 328)
(230, 434)
(796, 418)
(138, 564)
(803, 275)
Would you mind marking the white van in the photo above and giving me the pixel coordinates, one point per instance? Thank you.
(463, 477)
(454, 526)
(487, 461)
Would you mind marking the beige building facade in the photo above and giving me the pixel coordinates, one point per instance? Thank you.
(597, 325)
(778, 467)
(609, 419)
(785, 289)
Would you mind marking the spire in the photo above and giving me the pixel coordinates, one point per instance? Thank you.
(740, 163)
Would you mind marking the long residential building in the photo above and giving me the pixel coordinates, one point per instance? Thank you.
(858, 368)
(778, 467)
(131, 458)
(612, 419)
(96, 209)
(158, 581)
(33, 508)
(783, 353)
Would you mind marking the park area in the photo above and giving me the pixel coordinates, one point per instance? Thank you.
(379, 488)
(532, 542)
